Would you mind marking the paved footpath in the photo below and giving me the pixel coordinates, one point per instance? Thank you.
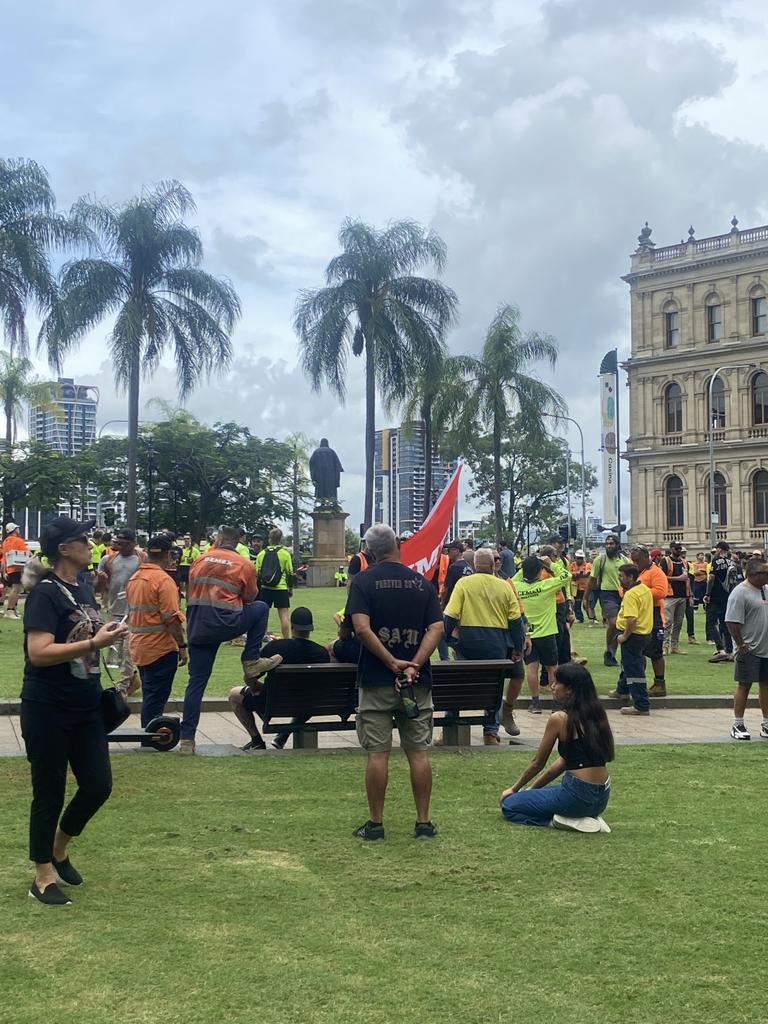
(221, 734)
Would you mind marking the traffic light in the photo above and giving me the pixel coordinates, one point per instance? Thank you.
(563, 531)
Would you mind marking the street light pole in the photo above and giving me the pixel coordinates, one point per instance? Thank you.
(570, 419)
(713, 516)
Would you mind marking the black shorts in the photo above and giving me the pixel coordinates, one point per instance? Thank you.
(516, 670)
(543, 650)
(610, 602)
(274, 598)
(183, 574)
(749, 668)
(255, 702)
(654, 645)
(11, 579)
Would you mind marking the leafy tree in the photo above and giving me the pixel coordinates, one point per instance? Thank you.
(375, 304)
(351, 541)
(29, 227)
(533, 479)
(500, 384)
(35, 476)
(149, 279)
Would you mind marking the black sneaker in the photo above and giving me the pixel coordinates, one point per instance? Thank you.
(425, 830)
(279, 742)
(67, 872)
(51, 895)
(609, 660)
(370, 831)
(255, 744)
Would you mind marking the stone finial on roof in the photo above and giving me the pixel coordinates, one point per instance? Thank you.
(644, 238)
(735, 225)
(691, 234)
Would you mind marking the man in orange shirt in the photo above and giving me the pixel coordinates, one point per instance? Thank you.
(654, 577)
(14, 546)
(156, 625)
(580, 570)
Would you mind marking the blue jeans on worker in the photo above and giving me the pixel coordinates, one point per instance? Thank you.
(632, 678)
(156, 686)
(252, 621)
(572, 798)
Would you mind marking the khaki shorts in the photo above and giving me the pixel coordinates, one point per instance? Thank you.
(379, 709)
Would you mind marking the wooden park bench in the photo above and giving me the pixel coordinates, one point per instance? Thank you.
(327, 696)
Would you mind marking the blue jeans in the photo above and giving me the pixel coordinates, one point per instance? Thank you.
(252, 622)
(156, 685)
(572, 798)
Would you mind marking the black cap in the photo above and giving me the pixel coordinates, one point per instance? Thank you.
(61, 530)
(125, 534)
(161, 542)
(301, 618)
(457, 545)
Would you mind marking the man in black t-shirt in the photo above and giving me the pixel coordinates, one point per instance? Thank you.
(398, 620)
(457, 567)
(720, 583)
(248, 701)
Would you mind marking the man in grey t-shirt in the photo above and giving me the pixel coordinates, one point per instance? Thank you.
(747, 620)
(115, 569)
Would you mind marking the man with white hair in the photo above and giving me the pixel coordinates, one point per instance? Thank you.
(398, 620)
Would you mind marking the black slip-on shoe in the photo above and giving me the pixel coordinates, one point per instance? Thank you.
(371, 832)
(51, 895)
(425, 830)
(253, 745)
(67, 872)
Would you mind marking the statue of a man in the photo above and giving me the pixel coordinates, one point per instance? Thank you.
(325, 470)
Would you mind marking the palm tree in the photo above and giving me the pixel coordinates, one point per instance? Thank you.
(29, 226)
(499, 384)
(374, 303)
(149, 278)
(435, 397)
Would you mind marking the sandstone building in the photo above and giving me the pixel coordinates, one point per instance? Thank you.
(695, 307)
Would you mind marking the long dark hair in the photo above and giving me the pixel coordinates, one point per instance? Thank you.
(587, 719)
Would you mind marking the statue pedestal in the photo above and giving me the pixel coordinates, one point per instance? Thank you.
(328, 548)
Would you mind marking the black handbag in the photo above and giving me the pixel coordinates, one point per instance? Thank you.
(114, 708)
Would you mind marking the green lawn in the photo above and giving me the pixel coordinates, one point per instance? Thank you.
(689, 674)
(229, 890)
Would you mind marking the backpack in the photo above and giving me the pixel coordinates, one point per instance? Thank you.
(271, 571)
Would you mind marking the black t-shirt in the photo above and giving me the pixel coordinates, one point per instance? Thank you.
(74, 685)
(724, 580)
(401, 604)
(676, 567)
(296, 651)
(455, 571)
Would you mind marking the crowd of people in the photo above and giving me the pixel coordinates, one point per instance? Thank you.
(483, 604)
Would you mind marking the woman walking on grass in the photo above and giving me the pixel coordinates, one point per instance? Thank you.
(584, 745)
(61, 719)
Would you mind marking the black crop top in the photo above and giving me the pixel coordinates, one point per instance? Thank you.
(577, 754)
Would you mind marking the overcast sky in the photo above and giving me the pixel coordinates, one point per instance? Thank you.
(535, 137)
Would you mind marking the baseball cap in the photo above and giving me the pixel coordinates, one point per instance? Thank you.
(61, 530)
(10, 527)
(301, 618)
(125, 534)
(160, 542)
(579, 554)
(654, 552)
(455, 545)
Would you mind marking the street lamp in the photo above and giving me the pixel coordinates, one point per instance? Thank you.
(556, 416)
(713, 516)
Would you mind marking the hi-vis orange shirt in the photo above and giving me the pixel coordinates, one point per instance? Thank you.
(153, 604)
(220, 582)
(12, 543)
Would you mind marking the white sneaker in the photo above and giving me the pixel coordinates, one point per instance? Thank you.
(576, 824)
(186, 748)
(604, 826)
(10, 614)
(739, 731)
(764, 732)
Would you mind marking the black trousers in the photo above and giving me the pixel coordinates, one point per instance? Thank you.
(56, 738)
(717, 629)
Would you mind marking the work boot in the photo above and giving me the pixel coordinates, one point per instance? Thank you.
(657, 690)
(692, 640)
(623, 697)
(257, 667)
(510, 726)
(490, 739)
(634, 711)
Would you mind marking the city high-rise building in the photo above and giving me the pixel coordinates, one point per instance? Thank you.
(399, 476)
(696, 308)
(68, 425)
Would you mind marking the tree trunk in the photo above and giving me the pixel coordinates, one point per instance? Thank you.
(427, 416)
(296, 522)
(133, 432)
(370, 428)
(498, 514)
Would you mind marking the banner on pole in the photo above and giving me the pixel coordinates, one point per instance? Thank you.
(608, 440)
(422, 551)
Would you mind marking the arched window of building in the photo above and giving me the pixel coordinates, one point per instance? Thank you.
(674, 503)
(721, 500)
(760, 398)
(714, 318)
(673, 409)
(759, 308)
(760, 498)
(717, 412)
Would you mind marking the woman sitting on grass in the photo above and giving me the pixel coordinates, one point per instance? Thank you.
(585, 745)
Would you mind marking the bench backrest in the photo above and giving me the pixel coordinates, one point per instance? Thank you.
(468, 685)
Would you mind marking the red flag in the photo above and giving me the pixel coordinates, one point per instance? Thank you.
(421, 551)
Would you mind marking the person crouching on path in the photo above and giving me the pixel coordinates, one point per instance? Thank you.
(584, 745)
(397, 618)
(248, 701)
(156, 625)
(635, 624)
(220, 606)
